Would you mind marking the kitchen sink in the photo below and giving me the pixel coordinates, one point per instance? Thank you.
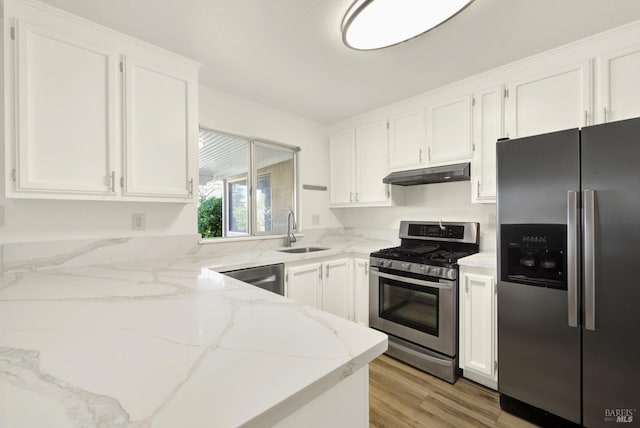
(303, 250)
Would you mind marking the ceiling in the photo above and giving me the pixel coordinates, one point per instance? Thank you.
(288, 54)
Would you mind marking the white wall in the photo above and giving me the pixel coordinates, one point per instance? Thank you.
(44, 220)
(222, 111)
(427, 202)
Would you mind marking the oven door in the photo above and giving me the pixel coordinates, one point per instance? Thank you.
(417, 308)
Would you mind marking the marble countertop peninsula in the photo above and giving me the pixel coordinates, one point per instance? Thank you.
(165, 342)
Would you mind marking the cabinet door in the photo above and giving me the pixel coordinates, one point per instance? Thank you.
(361, 291)
(371, 164)
(488, 126)
(478, 324)
(551, 101)
(619, 85)
(407, 140)
(304, 284)
(449, 131)
(66, 95)
(160, 129)
(341, 160)
(336, 288)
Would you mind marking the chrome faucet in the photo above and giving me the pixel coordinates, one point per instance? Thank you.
(291, 226)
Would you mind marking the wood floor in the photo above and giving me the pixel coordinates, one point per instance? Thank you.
(401, 396)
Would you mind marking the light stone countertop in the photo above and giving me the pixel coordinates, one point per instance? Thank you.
(484, 259)
(167, 342)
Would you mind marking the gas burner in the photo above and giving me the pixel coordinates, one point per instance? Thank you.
(433, 243)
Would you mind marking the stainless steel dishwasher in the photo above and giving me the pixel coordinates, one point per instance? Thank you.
(270, 277)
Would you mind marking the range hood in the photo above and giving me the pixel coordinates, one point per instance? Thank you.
(438, 174)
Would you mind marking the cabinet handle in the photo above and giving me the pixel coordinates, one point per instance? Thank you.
(586, 117)
(478, 189)
(113, 181)
(366, 268)
(429, 153)
(420, 156)
(572, 257)
(191, 187)
(357, 196)
(320, 272)
(606, 114)
(589, 264)
(466, 285)
(350, 196)
(327, 272)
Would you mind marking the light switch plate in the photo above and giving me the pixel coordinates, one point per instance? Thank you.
(138, 221)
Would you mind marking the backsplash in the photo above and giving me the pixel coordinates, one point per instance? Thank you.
(30, 256)
(431, 202)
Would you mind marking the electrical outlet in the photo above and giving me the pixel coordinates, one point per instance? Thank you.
(138, 221)
(315, 219)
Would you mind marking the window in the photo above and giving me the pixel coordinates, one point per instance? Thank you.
(238, 213)
(230, 166)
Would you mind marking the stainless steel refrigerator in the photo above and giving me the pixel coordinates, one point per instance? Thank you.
(569, 275)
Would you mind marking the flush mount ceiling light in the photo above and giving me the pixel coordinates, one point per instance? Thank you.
(375, 24)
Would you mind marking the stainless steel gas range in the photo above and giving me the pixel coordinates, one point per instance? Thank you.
(413, 293)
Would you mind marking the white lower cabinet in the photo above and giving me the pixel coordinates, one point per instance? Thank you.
(336, 288)
(361, 291)
(325, 286)
(478, 325)
(304, 284)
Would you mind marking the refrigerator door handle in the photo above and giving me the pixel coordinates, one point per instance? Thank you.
(572, 258)
(589, 260)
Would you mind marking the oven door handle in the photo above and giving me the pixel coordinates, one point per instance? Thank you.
(444, 285)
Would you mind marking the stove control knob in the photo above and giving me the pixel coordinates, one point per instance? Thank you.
(389, 263)
(406, 266)
(435, 271)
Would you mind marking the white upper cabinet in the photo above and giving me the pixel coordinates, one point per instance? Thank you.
(407, 140)
(371, 164)
(94, 114)
(449, 131)
(488, 126)
(357, 165)
(551, 101)
(619, 85)
(65, 114)
(158, 132)
(341, 167)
